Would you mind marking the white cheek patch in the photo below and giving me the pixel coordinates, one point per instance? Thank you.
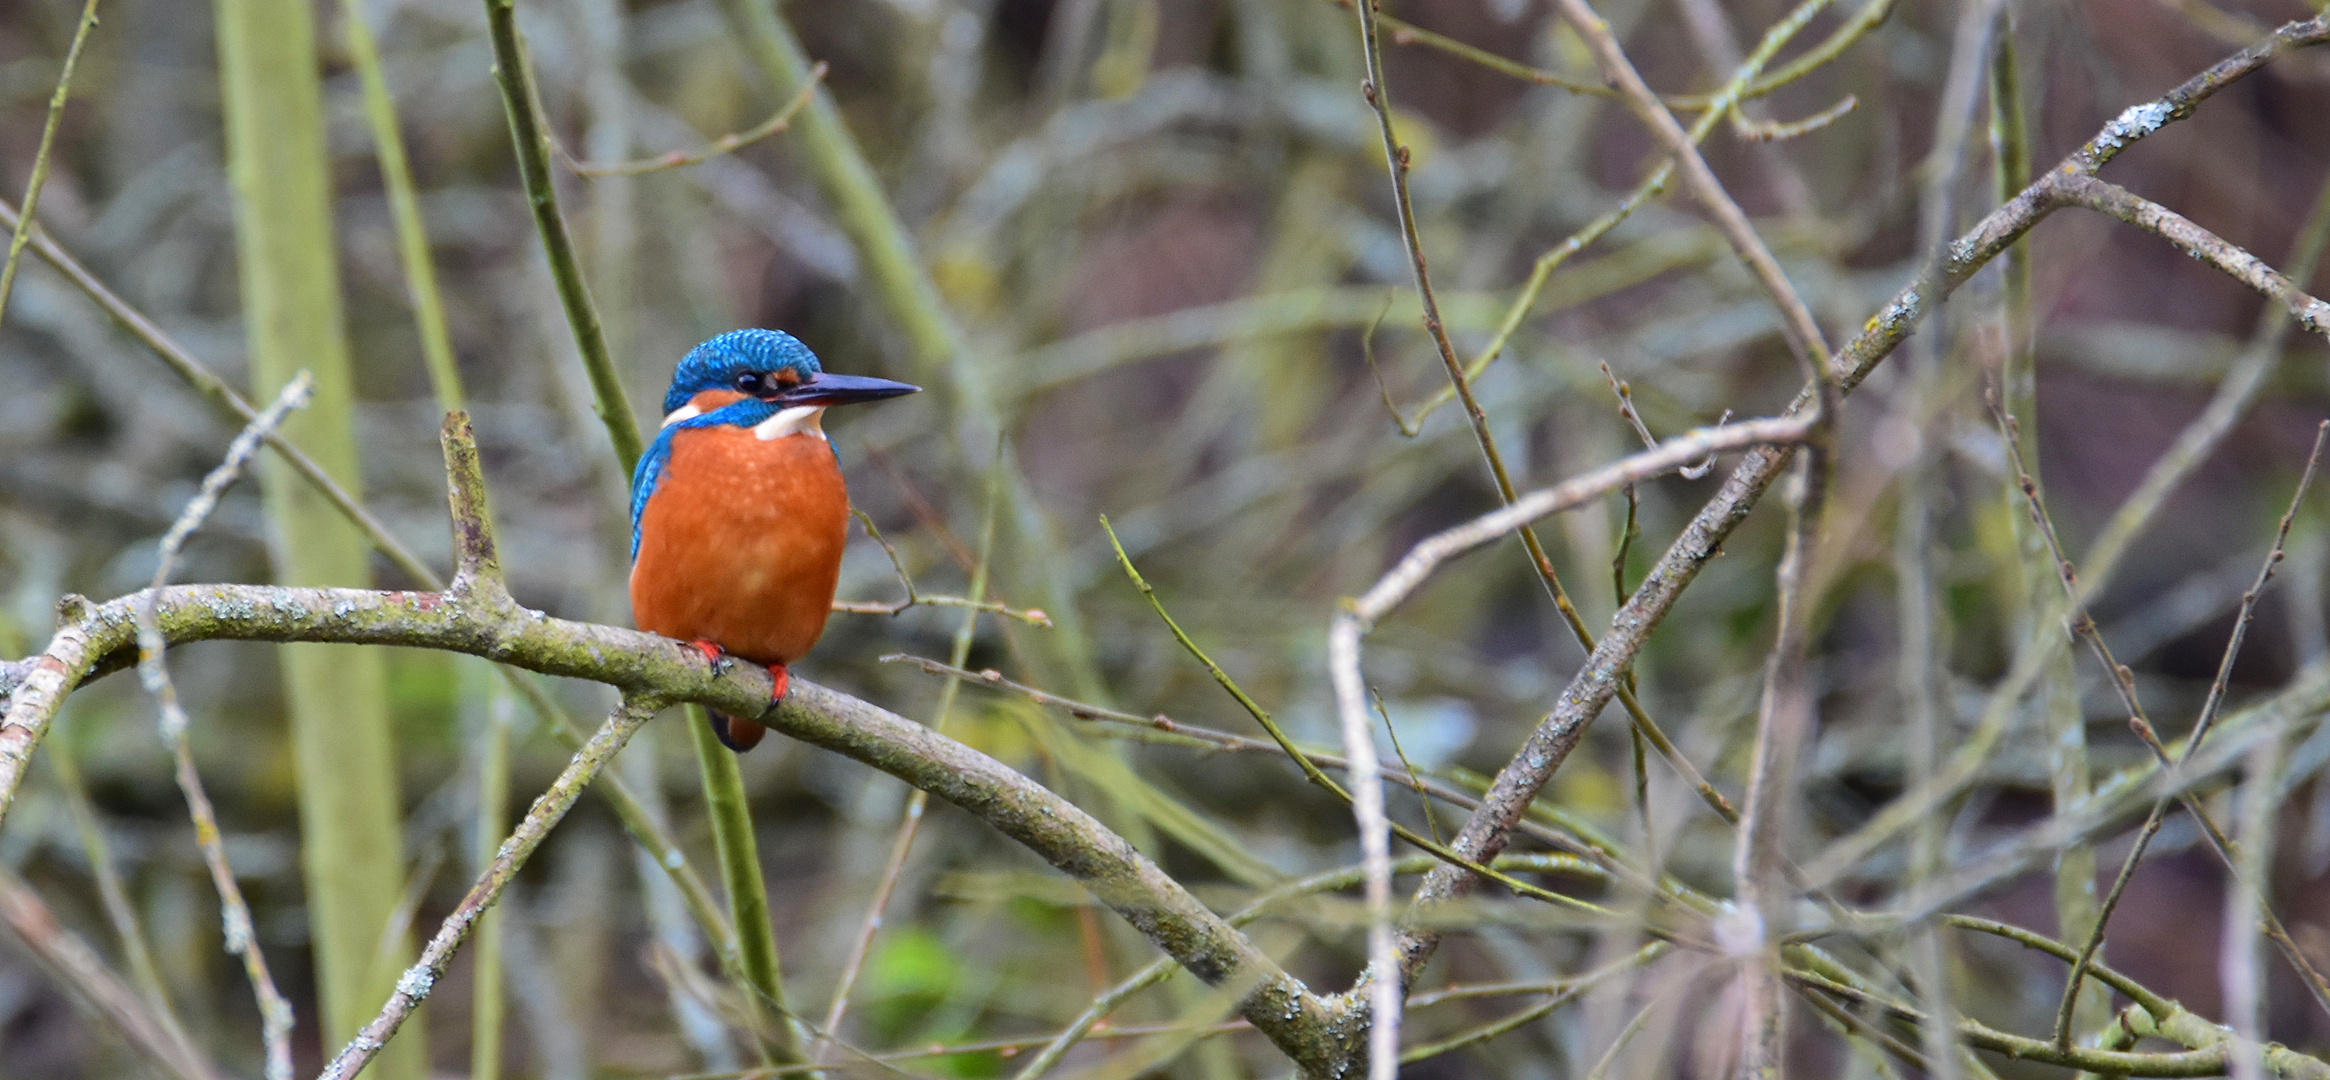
(798, 420)
(688, 411)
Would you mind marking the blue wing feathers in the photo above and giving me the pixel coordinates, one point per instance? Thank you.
(644, 479)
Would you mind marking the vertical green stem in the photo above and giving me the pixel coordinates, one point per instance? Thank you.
(350, 841)
(492, 754)
(903, 287)
(748, 894)
(2076, 903)
(723, 787)
(40, 157)
(404, 209)
(574, 292)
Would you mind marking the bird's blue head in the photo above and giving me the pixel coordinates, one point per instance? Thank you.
(769, 366)
(762, 379)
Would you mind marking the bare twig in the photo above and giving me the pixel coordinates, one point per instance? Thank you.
(911, 823)
(2241, 266)
(725, 144)
(548, 809)
(2083, 626)
(241, 939)
(20, 230)
(916, 598)
(1599, 679)
(73, 962)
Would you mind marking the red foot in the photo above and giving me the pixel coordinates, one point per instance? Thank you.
(782, 680)
(715, 657)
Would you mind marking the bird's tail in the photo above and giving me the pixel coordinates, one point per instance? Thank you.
(735, 734)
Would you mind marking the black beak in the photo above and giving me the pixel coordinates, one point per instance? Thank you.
(826, 388)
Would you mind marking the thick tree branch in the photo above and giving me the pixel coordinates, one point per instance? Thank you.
(101, 638)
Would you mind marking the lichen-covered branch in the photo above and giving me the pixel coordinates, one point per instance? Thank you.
(416, 983)
(2108, 198)
(99, 638)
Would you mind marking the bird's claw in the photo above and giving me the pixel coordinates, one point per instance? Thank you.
(715, 657)
(780, 680)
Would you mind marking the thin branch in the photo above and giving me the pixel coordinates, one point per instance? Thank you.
(152, 1034)
(1407, 427)
(528, 137)
(1408, 767)
(2081, 625)
(1363, 774)
(910, 824)
(1385, 983)
(2241, 266)
(1780, 131)
(416, 983)
(916, 598)
(20, 231)
(725, 144)
(1516, 785)
(241, 938)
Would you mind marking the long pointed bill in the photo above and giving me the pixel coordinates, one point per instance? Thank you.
(826, 388)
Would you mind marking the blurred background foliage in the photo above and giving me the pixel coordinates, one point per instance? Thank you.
(1165, 230)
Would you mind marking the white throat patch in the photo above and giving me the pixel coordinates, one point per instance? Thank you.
(798, 420)
(688, 411)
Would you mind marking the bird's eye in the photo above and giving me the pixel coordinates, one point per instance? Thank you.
(748, 383)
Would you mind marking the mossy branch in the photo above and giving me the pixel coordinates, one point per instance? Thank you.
(480, 619)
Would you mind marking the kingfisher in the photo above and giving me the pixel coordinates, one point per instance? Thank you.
(738, 511)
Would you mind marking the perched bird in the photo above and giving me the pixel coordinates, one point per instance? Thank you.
(738, 512)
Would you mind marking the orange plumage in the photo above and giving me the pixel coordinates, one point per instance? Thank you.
(738, 511)
(741, 545)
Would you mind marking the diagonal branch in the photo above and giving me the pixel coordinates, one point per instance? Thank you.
(1591, 689)
(98, 638)
(2108, 198)
(414, 986)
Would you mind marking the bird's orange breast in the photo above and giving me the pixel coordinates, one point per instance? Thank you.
(741, 542)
